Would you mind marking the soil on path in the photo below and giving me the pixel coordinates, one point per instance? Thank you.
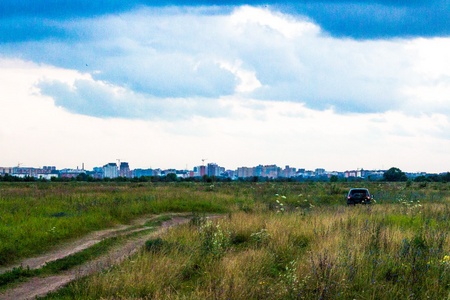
(40, 286)
(77, 245)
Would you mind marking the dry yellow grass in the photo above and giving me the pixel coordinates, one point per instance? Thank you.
(392, 250)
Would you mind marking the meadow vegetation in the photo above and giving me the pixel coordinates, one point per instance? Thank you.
(284, 241)
(34, 217)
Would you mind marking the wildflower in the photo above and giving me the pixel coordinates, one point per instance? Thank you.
(446, 259)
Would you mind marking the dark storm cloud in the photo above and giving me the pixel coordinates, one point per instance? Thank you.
(25, 20)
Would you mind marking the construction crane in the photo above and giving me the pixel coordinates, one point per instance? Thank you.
(203, 161)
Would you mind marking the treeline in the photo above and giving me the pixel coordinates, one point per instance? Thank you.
(433, 178)
(396, 176)
(171, 177)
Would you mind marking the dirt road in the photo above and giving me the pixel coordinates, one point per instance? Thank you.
(40, 286)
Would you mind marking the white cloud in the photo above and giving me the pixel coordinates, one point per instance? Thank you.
(169, 53)
(165, 88)
(247, 79)
(264, 18)
(252, 132)
(99, 99)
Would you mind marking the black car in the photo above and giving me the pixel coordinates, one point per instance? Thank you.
(356, 196)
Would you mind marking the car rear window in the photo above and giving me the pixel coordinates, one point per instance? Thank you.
(361, 191)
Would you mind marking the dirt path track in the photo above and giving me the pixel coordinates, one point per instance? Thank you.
(78, 245)
(40, 286)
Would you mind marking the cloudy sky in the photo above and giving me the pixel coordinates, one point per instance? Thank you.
(339, 85)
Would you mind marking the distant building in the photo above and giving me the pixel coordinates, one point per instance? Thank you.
(319, 172)
(288, 172)
(271, 171)
(231, 173)
(244, 172)
(4, 171)
(168, 171)
(47, 176)
(374, 174)
(202, 171)
(143, 172)
(110, 170)
(97, 173)
(70, 173)
(258, 171)
(213, 170)
(308, 173)
(353, 173)
(124, 170)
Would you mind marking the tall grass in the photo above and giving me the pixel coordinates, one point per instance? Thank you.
(37, 216)
(383, 251)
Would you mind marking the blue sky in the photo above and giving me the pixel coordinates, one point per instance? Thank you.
(347, 18)
(240, 82)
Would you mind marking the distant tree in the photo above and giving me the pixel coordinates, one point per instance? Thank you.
(334, 178)
(155, 178)
(394, 174)
(171, 177)
(82, 177)
(29, 179)
(206, 178)
(42, 179)
(446, 177)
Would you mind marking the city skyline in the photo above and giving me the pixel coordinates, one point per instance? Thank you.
(339, 85)
(123, 169)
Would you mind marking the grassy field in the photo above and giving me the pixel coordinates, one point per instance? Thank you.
(37, 216)
(275, 240)
(374, 252)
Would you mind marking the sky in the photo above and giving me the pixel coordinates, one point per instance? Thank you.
(334, 84)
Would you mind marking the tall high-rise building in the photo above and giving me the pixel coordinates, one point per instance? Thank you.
(259, 170)
(110, 170)
(124, 170)
(202, 170)
(271, 171)
(212, 169)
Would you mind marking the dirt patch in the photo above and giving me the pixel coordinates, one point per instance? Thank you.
(77, 245)
(38, 287)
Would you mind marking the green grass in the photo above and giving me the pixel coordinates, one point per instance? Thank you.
(277, 240)
(382, 251)
(19, 274)
(157, 221)
(35, 217)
